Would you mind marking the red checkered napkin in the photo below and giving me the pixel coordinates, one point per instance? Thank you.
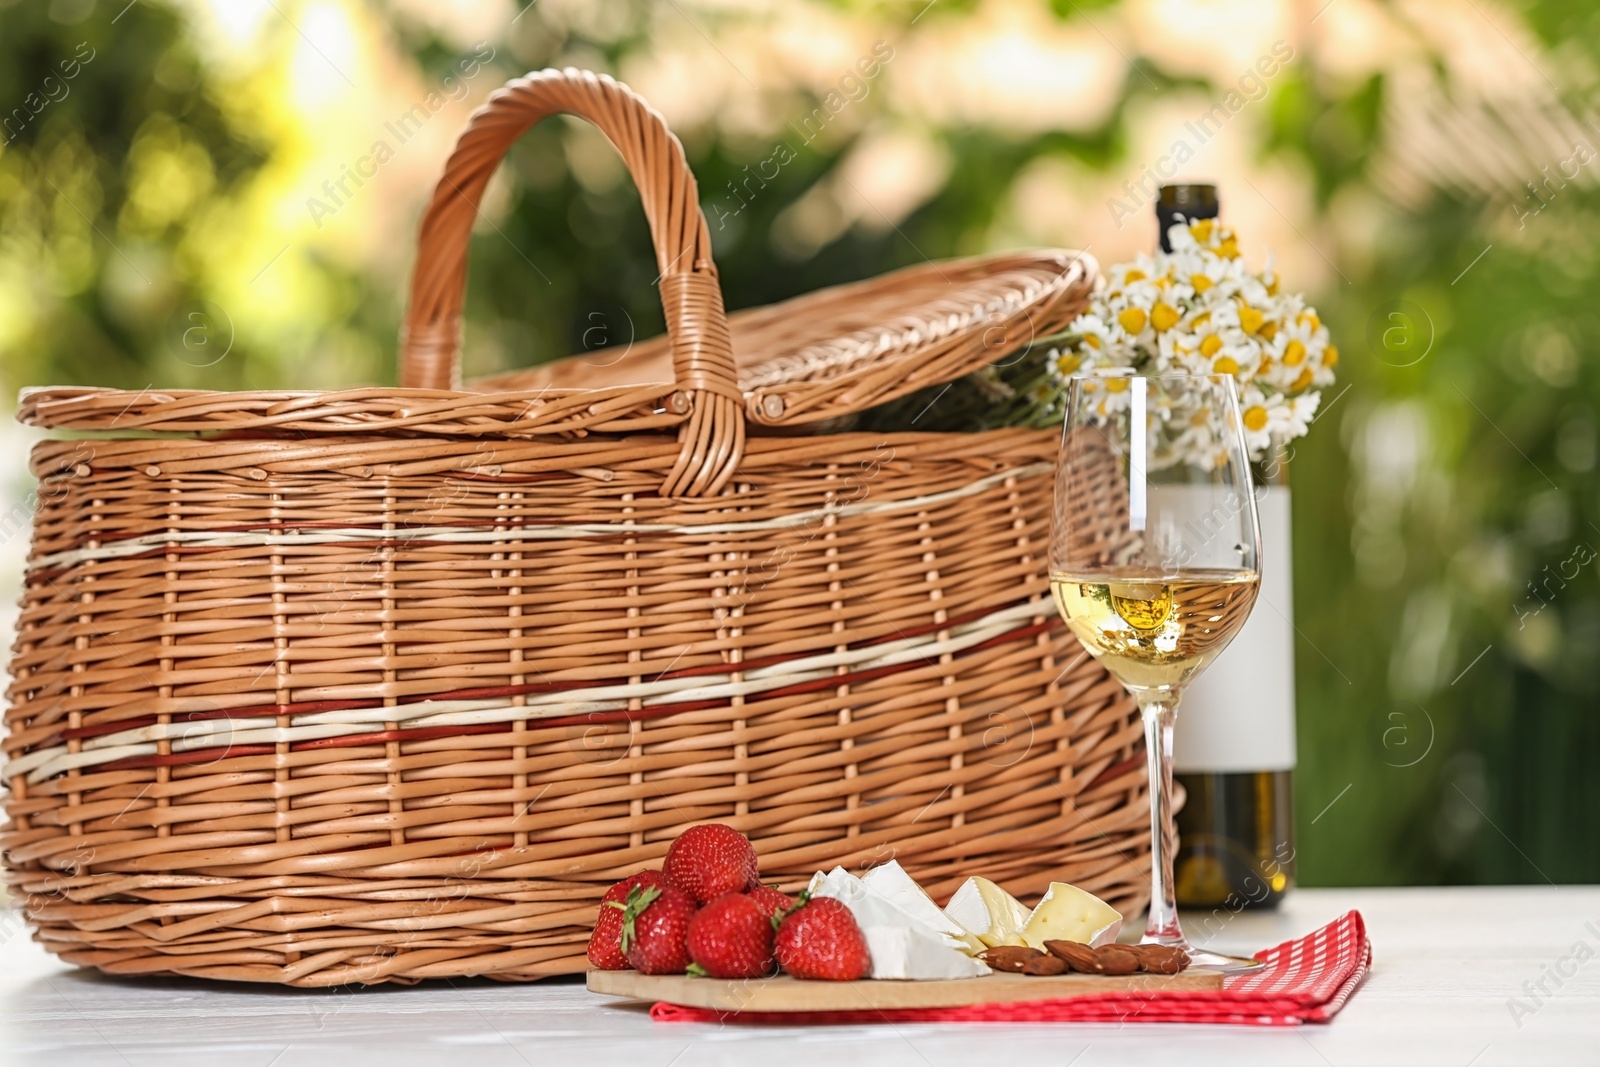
(1306, 980)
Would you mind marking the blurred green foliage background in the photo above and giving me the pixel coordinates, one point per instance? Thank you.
(1424, 170)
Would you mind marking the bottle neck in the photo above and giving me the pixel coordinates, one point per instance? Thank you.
(1273, 470)
(1183, 203)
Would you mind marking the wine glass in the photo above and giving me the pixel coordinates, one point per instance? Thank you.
(1154, 562)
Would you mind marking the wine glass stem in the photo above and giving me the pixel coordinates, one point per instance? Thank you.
(1159, 710)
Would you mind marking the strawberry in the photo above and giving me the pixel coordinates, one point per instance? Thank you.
(605, 944)
(731, 937)
(655, 927)
(709, 860)
(774, 902)
(820, 939)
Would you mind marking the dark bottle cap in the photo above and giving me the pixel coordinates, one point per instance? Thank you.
(1184, 202)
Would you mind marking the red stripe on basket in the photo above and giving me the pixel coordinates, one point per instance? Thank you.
(199, 757)
(112, 537)
(421, 733)
(259, 711)
(116, 536)
(1115, 771)
(50, 574)
(429, 733)
(273, 711)
(159, 551)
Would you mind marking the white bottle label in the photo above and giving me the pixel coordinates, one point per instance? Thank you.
(1239, 714)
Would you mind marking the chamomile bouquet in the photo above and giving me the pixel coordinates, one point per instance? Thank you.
(1198, 309)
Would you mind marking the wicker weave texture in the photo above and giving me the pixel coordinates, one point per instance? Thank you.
(370, 703)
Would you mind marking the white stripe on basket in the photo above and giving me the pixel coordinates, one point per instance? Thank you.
(133, 546)
(215, 733)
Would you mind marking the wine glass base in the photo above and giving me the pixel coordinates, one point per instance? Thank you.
(1217, 961)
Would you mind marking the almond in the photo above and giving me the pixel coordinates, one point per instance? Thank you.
(1046, 965)
(1009, 954)
(1079, 957)
(1161, 959)
(1117, 959)
(1009, 957)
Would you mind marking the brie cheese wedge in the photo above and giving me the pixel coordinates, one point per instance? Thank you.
(1067, 913)
(913, 952)
(902, 946)
(892, 881)
(994, 915)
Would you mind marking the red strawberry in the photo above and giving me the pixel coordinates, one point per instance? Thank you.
(774, 902)
(820, 939)
(709, 860)
(731, 937)
(605, 944)
(655, 928)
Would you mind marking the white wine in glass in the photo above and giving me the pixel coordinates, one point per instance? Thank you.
(1154, 563)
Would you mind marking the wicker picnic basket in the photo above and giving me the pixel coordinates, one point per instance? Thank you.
(384, 684)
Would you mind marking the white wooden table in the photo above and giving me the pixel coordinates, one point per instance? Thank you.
(1448, 962)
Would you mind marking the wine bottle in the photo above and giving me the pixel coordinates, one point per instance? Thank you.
(1234, 748)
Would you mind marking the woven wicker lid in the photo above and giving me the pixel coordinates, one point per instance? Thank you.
(849, 347)
(829, 353)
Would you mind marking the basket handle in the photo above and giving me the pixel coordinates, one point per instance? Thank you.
(712, 438)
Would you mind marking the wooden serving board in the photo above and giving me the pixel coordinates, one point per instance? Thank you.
(784, 993)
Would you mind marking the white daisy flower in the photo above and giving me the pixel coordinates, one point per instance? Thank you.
(1288, 418)
(1255, 412)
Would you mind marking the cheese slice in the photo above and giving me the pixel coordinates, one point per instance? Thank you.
(994, 915)
(891, 881)
(901, 944)
(912, 952)
(1067, 913)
